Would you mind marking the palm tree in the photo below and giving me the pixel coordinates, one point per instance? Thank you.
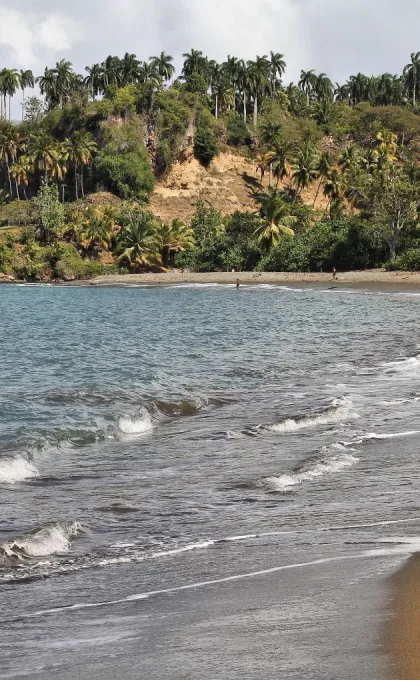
(78, 149)
(342, 93)
(259, 81)
(42, 153)
(269, 136)
(215, 82)
(194, 62)
(148, 73)
(175, 238)
(10, 81)
(129, 69)
(350, 158)
(324, 168)
(280, 158)
(305, 169)
(9, 144)
(97, 229)
(334, 186)
(307, 83)
(139, 244)
(20, 171)
(26, 79)
(231, 69)
(48, 86)
(243, 83)
(275, 220)
(111, 69)
(277, 68)
(324, 89)
(63, 77)
(95, 79)
(164, 66)
(411, 74)
(386, 141)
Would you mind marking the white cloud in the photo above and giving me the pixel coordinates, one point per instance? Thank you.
(55, 33)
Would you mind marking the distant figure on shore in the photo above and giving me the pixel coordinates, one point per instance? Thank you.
(237, 284)
(334, 274)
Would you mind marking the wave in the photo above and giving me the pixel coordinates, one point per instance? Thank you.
(52, 539)
(326, 465)
(136, 425)
(402, 365)
(16, 469)
(338, 412)
(392, 435)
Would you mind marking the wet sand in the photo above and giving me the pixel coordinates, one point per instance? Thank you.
(375, 278)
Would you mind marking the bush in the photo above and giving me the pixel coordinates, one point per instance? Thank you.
(238, 133)
(205, 146)
(409, 261)
(71, 266)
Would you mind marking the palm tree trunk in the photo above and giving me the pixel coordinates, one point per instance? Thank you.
(1, 108)
(217, 107)
(317, 192)
(81, 181)
(255, 122)
(75, 181)
(10, 104)
(271, 175)
(24, 193)
(23, 102)
(244, 106)
(17, 190)
(10, 181)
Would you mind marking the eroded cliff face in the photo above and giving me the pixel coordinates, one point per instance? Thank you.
(228, 184)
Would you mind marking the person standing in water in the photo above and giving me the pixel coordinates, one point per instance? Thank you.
(237, 284)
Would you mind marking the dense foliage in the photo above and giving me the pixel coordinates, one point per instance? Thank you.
(354, 148)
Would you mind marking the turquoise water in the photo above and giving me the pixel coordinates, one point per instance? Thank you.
(153, 440)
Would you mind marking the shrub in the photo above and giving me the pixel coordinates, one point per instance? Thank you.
(238, 133)
(205, 146)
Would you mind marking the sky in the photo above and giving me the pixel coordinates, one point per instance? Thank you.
(339, 37)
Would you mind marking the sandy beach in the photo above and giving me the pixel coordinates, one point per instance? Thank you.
(368, 278)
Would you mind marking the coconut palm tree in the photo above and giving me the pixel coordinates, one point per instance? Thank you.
(386, 141)
(139, 244)
(349, 158)
(307, 83)
(42, 153)
(164, 66)
(276, 219)
(78, 150)
(26, 79)
(305, 168)
(231, 69)
(175, 238)
(280, 159)
(97, 229)
(20, 171)
(334, 185)
(325, 162)
(259, 81)
(277, 69)
(411, 74)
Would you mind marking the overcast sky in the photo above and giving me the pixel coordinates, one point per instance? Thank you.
(339, 37)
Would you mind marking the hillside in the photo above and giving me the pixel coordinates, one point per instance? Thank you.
(228, 184)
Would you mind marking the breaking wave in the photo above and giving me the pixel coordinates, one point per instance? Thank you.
(325, 465)
(52, 539)
(136, 425)
(340, 411)
(16, 469)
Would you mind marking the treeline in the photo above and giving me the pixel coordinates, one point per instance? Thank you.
(338, 166)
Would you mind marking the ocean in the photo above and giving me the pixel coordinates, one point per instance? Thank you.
(199, 482)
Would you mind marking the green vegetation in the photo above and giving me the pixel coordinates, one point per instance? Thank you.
(338, 167)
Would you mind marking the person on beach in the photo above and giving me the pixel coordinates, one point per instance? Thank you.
(334, 273)
(237, 284)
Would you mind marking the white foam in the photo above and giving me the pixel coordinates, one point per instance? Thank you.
(136, 426)
(15, 470)
(319, 468)
(52, 539)
(402, 365)
(333, 415)
(232, 434)
(392, 435)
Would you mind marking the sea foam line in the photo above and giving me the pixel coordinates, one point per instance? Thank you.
(398, 550)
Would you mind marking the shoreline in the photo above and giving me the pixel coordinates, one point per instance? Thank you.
(375, 278)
